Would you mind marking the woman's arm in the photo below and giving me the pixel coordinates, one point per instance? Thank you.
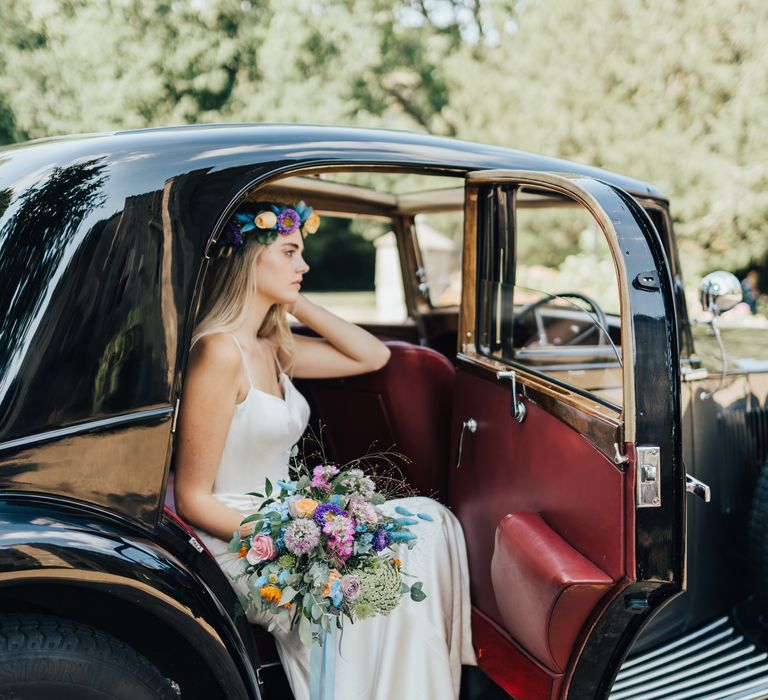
(211, 389)
(342, 350)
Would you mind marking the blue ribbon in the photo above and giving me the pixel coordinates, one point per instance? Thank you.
(322, 664)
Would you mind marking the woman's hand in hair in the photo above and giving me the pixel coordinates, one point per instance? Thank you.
(343, 349)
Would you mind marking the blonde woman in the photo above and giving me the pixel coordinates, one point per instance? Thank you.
(240, 417)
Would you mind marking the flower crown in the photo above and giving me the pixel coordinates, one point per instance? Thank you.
(267, 224)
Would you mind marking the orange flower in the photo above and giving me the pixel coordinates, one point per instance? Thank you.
(271, 593)
(243, 551)
(333, 575)
(396, 563)
(312, 223)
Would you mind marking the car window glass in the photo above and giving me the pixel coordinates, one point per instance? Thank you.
(439, 239)
(548, 296)
(355, 270)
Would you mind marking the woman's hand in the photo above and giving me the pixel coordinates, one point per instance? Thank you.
(246, 530)
(343, 349)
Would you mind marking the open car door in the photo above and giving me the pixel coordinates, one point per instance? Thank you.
(568, 476)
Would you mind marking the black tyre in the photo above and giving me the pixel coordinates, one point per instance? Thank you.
(758, 539)
(48, 658)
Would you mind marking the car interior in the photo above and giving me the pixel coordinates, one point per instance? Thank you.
(562, 331)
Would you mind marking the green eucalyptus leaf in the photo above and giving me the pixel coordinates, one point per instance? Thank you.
(252, 518)
(305, 632)
(268, 487)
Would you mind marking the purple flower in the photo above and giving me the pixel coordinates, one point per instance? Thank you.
(350, 586)
(324, 510)
(233, 234)
(288, 221)
(340, 550)
(301, 536)
(380, 539)
(321, 474)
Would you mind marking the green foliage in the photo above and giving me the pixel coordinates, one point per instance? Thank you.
(661, 90)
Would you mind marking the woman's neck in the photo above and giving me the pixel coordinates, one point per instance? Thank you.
(254, 318)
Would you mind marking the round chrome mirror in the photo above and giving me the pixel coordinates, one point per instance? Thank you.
(720, 291)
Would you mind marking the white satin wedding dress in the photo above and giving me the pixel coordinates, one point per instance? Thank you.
(416, 652)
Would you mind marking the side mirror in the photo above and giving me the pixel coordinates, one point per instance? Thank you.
(719, 292)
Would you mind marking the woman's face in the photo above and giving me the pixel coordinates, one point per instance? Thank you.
(280, 268)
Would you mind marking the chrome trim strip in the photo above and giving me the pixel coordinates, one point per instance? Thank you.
(79, 428)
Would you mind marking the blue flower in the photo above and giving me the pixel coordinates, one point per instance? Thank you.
(402, 536)
(403, 511)
(282, 576)
(337, 597)
(424, 516)
(261, 581)
(290, 488)
(406, 521)
(361, 528)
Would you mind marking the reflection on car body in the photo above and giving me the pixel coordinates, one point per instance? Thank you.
(568, 380)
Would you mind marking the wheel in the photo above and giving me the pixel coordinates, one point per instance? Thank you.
(758, 539)
(47, 658)
(600, 320)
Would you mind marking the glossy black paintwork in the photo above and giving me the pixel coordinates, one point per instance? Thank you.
(102, 239)
(52, 541)
(101, 243)
(659, 531)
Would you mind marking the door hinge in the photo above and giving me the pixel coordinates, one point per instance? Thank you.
(648, 477)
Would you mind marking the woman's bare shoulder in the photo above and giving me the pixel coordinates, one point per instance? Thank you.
(216, 350)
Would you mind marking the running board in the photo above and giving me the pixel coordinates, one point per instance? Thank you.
(714, 662)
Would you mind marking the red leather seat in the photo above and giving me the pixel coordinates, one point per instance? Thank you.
(544, 588)
(405, 406)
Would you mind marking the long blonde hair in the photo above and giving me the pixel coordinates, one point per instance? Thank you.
(229, 288)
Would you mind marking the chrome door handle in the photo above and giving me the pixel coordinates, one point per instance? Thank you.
(471, 425)
(698, 488)
(517, 407)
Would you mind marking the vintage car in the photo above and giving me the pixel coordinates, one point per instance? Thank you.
(553, 400)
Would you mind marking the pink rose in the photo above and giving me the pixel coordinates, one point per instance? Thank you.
(350, 586)
(262, 549)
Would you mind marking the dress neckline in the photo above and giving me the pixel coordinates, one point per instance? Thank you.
(282, 399)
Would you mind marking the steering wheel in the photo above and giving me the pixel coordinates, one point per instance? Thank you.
(600, 318)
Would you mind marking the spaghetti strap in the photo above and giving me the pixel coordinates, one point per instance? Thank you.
(277, 361)
(242, 355)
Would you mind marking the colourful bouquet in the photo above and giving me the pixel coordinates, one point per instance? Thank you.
(322, 549)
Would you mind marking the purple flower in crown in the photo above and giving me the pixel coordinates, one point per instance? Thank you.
(288, 221)
(233, 234)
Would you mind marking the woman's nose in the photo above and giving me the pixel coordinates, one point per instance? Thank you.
(303, 267)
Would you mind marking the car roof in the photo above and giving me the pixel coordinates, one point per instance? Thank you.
(232, 145)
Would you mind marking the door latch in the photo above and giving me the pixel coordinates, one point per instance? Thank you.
(698, 488)
(648, 477)
(470, 425)
(516, 406)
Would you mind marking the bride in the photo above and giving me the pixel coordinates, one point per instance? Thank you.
(240, 417)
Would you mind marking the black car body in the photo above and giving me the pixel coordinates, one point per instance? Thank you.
(103, 246)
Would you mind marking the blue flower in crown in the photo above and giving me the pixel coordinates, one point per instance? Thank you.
(267, 224)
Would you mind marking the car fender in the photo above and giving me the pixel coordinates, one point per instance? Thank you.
(47, 542)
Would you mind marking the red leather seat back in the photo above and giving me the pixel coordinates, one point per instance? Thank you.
(405, 406)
